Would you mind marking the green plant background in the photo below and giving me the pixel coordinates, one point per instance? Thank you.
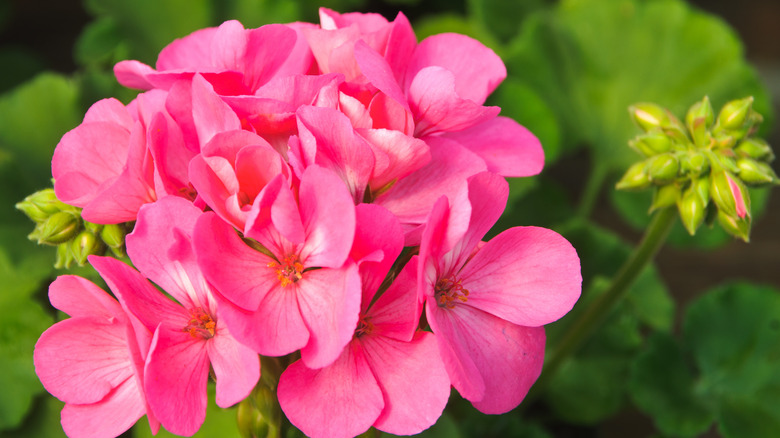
(691, 351)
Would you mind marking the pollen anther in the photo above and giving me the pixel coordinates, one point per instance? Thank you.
(289, 271)
(200, 324)
(449, 291)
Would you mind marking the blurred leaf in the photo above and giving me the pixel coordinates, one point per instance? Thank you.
(150, 25)
(591, 59)
(98, 42)
(43, 421)
(24, 65)
(502, 17)
(449, 22)
(537, 201)
(255, 13)
(662, 385)
(587, 390)
(219, 423)
(23, 322)
(594, 379)
(523, 104)
(733, 335)
(445, 427)
(33, 118)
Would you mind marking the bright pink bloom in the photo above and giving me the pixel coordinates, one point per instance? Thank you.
(188, 337)
(93, 362)
(233, 59)
(103, 165)
(390, 375)
(486, 302)
(274, 301)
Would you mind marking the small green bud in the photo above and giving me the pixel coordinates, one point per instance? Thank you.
(42, 204)
(702, 188)
(756, 149)
(737, 227)
(663, 168)
(64, 258)
(113, 235)
(734, 114)
(755, 172)
(649, 116)
(58, 228)
(694, 163)
(729, 194)
(84, 245)
(635, 178)
(698, 120)
(92, 227)
(651, 144)
(691, 209)
(665, 196)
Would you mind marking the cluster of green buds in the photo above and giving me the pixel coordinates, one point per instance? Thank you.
(59, 224)
(705, 159)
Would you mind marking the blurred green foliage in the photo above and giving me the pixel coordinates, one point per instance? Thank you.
(574, 66)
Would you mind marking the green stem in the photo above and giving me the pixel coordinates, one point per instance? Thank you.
(592, 189)
(594, 315)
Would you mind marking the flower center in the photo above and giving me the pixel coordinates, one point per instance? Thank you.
(365, 326)
(449, 291)
(200, 324)
(289, 271)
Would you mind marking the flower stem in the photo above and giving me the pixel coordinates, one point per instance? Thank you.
(592, 190)
(594, 315)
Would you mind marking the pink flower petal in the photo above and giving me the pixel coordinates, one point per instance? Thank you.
(479, 347)
(175, 380)
(477, 69)
(341, 400)
(405, 155)
(507, 147)
(378, 72)
(111, 416)
(80, 360)
(414, 383)
(210, 114)
(78, 296)
(438, 107)
(329, 301)
(328, 215)
(396, 313)
(377, 230)
(526, 275)
(236, 367)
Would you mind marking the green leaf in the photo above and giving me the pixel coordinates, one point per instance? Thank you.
(662, 385)
(502, 17)
(445, 427)
(98, 42)
(255, 13)
(450, 22)
(591, 59)
(33, 118)
(23, 322)
(43, 420)
(149, 25)
(588, 390)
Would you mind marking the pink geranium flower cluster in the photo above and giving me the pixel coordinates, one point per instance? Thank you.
(307, 191)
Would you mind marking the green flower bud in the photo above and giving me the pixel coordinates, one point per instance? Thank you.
(756, 149)
(737, 227)
(651, 144)
(698, 120)
(42, 204)
(729, 194)
(734, 114)
(649, 116)
(663, 168)
(84, 245)
(92, 227)
(694, 164)
(691, 209)
(64, 258)
(665, 196)
(58, 228)
(635, 178)
(702, 188)
(755, 172)
(113, 235)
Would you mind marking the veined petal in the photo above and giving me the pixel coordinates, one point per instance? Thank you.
(236, 366)
(377, 230)
(396, 313)
(210, 113)
(479, 347)
(340, 400)
(111, 416)
(413, 380)
(526, 275)
(78, 296)
(175, 380)
(508, 148)
(329, 300)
